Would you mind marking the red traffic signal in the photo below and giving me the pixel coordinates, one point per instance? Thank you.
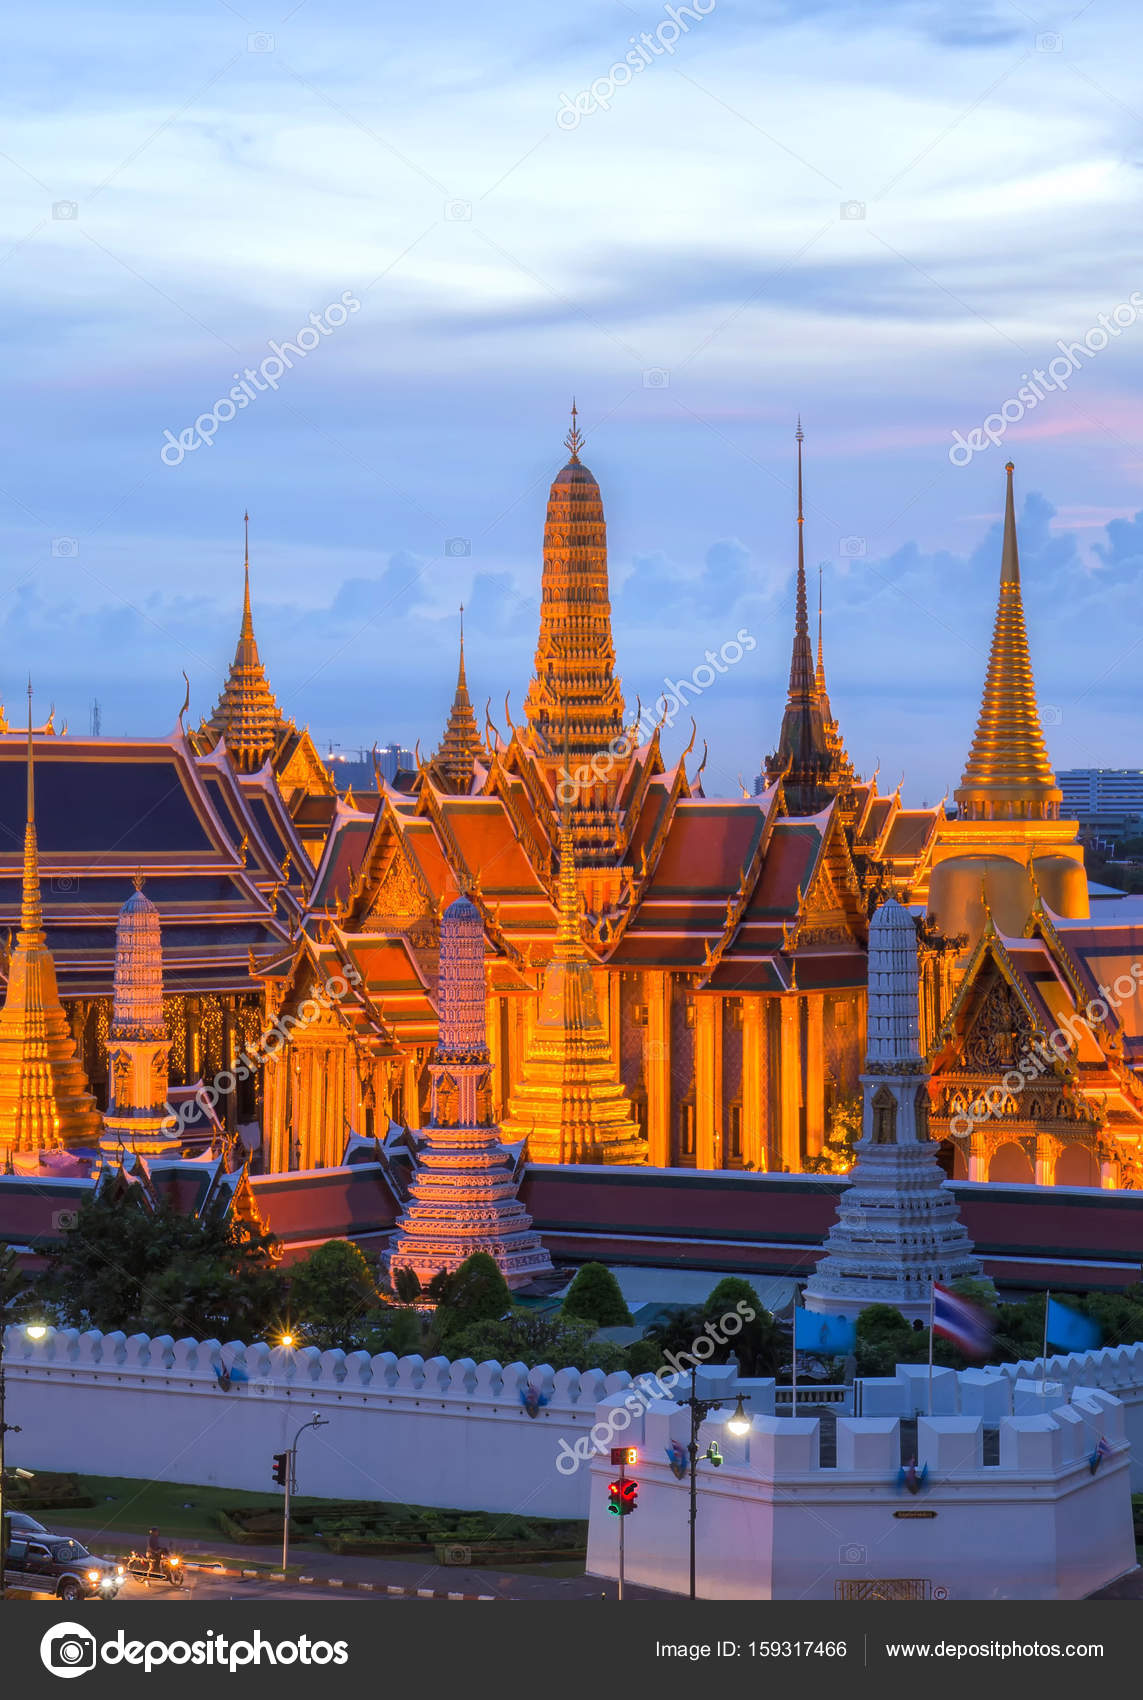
(621, 1455)
(281, 1467)
(622, 1496)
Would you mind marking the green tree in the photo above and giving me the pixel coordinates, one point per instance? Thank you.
(527, 1337)
(476, 1292)
(595, 1296)
(331, 1293)
(124, 1265)
(885, 1339)
(760, 1344)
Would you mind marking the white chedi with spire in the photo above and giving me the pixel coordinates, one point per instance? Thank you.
(898, 1227)
(138, 1044)
(462, 1196)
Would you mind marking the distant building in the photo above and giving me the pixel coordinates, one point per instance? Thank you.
(356, 767)
(1105, 798)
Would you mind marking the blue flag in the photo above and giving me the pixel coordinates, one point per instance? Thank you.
(814, 1333)
(1070, 1330)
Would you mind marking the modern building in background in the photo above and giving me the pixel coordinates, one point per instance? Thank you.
(1107, 800)
(357, 770)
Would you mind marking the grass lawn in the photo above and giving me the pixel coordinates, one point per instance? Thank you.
(124, 1506)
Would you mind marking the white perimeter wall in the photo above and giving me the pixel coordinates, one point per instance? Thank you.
(424, 1432)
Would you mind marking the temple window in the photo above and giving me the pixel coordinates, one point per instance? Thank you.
(884, 1117)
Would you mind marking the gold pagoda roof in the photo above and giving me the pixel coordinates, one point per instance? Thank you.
(247, 715)
(1009, 775)
(454, 764)
(574, 696)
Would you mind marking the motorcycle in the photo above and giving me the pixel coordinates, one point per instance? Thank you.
(148, 1567)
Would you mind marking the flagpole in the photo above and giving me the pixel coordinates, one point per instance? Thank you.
(932, 1320)
(1044, 1376)
(794, 1366)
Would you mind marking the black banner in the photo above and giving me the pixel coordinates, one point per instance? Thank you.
(257, 1647)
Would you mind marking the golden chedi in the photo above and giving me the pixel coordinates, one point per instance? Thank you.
(1007, 840)
(45, 1102)
(570, 1104)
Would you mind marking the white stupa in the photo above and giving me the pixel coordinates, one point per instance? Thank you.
(898, 1228)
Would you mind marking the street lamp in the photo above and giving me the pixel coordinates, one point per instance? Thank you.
(34, 1331)
(315, 1421)
(738, 1424)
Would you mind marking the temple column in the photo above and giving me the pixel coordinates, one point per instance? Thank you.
(1109, 1175)
(1045, 1165)
(412, 1093)
(977, 1159)
(790, 1084)
(754, 1118)
(276, 1080)
(657, 1068)
(495, 1055)
(231, 1099)
(708, 1082)
(815, 1074)
(194, 1038)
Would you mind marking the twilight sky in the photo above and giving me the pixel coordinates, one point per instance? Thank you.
(885, 218)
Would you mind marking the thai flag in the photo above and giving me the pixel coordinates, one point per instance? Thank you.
(1102, 1451)
(962, 1322)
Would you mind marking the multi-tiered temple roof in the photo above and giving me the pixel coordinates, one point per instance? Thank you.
(453, 767)
(810, 759)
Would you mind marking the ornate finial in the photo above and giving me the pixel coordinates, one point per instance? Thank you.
(573, 442)
(138, 879)
(186, 703)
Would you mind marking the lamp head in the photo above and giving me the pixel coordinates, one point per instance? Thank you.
(738, 1422)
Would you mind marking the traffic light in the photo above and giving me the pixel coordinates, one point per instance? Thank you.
(622, 1496)
(281, 1467)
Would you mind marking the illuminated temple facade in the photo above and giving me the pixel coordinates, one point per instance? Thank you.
(671, 979)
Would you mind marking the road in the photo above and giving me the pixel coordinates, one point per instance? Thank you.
(206, 1588)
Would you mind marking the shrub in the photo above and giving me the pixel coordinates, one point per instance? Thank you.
(595, 1296)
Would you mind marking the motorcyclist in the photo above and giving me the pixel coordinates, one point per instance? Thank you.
(157, 1553)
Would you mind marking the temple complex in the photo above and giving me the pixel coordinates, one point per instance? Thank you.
(462, 1197)
(673, 980)
(897, 1228)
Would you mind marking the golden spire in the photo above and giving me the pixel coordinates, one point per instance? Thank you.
(573, 442)
(805, 756)
(573, 679)
(247, 714)
(44, 1098)
(1009, 775)
(31, 909)
(453, 765)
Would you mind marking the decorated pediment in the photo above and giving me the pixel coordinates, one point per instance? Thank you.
(401, 901)
(998, 1032)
